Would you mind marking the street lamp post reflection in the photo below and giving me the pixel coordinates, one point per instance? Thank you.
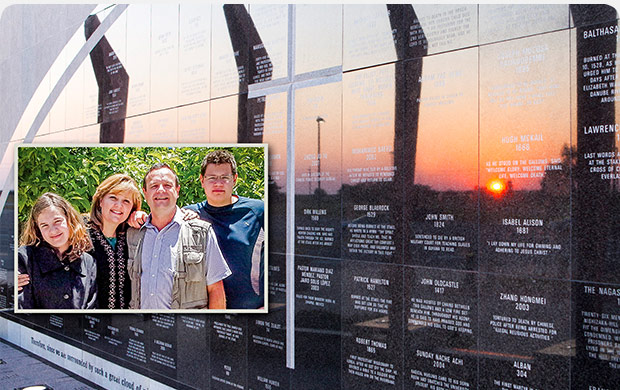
(318, 125)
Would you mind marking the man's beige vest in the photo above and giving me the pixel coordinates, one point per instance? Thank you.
(189, 284)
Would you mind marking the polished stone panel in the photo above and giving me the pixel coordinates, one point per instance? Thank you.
(116, 35)
(224, 119)
(441, 308)
(367, 36)
(267, 123)
(518, 314)
(267, 350)
(595, 362)
(89, 94)
(114, 334)
(269, 44)
(596, 160)
(229, 338)
(585, 14)
(525, 156)
(107, 60)
(371, 166)
(93, 329)
(317, 292)
(545, 370)
(375, 34)
(194, 53)
(164, 56)
(35, 321)
(277, 281)
(267, 334)
(524, 332)
(318, 37)
(443, 27)
(162, 347)
(372, 342)
(56, 137)
(44, 128)
(137, 128)
(441, 174)
(138, 63)
(87, 134)
(162, 126)
(318, 170)
(500, 22)
(194, 123)
(192, 338)
(137, 331)
(65, 327)
(112, 81)
(74, 92)
(57, 114)
(441, 328)
(317, 323)
(229, 48)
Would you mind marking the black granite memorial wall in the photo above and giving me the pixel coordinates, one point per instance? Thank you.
(443, 191)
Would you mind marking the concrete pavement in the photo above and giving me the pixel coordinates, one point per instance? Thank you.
(20, 368)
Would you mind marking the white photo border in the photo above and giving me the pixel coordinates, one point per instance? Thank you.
(264, 310)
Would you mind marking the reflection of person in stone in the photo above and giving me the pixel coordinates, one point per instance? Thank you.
(173, 264)
(239, 226)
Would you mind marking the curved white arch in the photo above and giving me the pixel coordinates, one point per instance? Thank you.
(44, 109)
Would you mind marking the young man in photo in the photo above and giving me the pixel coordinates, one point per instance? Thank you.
(239, 226)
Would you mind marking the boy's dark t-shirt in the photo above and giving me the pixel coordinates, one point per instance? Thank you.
(239, 228)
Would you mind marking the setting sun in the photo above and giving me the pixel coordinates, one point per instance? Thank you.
(496, 186)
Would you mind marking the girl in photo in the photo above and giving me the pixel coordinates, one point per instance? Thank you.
(53, 252)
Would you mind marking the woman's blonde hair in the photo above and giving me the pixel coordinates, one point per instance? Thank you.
(79, 240)
(115, 184)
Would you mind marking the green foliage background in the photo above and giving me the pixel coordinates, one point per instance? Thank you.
(75, 172)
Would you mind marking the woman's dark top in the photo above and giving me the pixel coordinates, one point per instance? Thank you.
(56, 283)
(114, 287)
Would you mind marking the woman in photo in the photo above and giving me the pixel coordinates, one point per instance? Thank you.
(115, 199)
(54, 253)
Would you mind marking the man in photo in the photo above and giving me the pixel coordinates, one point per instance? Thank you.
(173, 264)
(239, 226)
